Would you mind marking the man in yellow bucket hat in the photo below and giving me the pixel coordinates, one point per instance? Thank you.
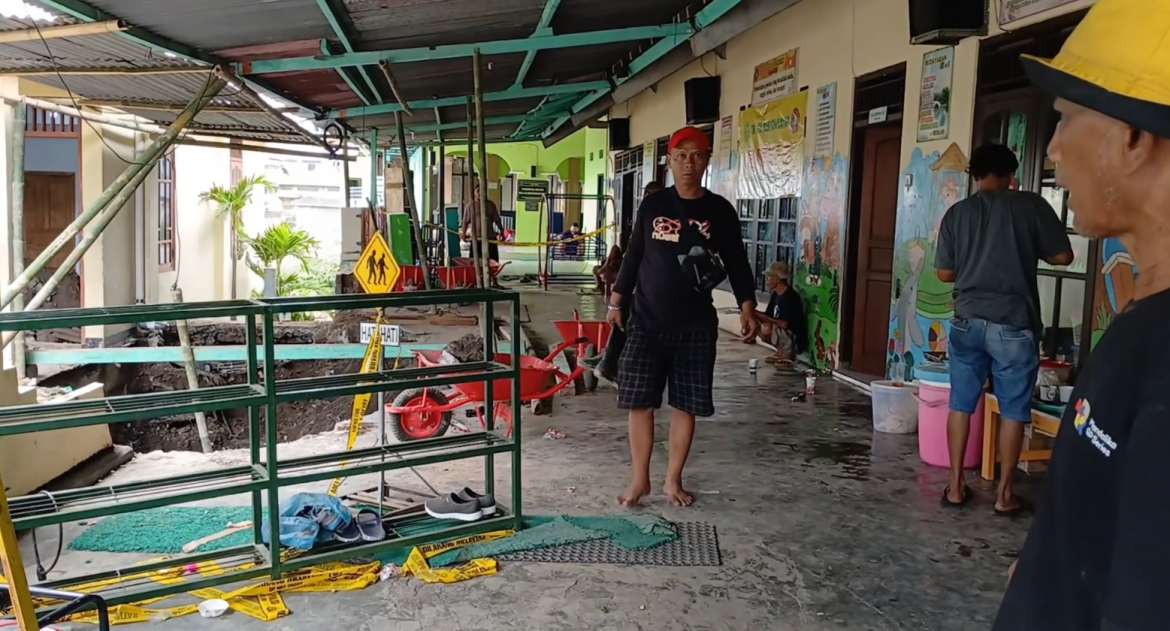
(1098, 554)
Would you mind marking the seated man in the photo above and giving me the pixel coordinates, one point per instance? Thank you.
(572, 246)
(783, 323)
(606, 273)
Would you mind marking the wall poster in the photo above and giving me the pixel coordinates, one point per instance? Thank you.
(771, 149)
(826, 124)
(1013, 10)
(776, 78)
(934, 105)
(819, 274)
(921, 305)
(725, 134)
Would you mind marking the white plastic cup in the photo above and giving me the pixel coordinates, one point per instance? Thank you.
(213, 608)
(810, 384)
(753, 364)
(1066, 394)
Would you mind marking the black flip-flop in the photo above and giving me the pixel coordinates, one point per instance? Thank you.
(369, 524)
(1024, 507)
(967, 495)
(348, 534)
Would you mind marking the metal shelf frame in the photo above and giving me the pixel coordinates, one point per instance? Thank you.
(260, 396)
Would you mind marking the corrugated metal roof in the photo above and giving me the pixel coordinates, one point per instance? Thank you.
(283, 28)
(385, 24)
(216, 24)
(111, 51)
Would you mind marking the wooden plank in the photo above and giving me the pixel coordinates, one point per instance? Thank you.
(173, 354)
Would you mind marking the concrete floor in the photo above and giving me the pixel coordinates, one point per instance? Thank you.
(823, 525)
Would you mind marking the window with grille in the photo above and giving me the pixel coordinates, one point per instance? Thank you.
(40, 123)
(166, 212)
(768, 228)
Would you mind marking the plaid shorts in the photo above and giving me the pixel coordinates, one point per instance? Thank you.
(651, 361)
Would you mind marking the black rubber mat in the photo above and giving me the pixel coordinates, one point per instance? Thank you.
(697, 546)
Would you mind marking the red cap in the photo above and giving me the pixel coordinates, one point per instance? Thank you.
(690, 133)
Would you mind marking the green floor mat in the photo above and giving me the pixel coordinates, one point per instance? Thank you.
(164, 530)
(638, 532)
(167, 530)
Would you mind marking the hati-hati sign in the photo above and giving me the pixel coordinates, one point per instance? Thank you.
(771, 148)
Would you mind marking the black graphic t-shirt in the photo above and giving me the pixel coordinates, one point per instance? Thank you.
(666, 297)
(1098, 555)
(788, 307)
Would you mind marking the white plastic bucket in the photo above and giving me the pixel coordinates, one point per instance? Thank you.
(895, 409)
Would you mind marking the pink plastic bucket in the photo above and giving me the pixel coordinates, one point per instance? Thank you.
(933, 404)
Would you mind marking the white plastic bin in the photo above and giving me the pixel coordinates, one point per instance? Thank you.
(895, 410)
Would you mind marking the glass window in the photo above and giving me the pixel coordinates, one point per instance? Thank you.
(166, 212)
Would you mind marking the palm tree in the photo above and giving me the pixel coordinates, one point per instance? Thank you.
(230, 204)
(280, 242)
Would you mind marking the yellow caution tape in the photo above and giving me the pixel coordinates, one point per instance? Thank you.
(533, 244)
(433, 550)
(361, 402)
(417, 566)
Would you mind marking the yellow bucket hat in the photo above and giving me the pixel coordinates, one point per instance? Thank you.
(1116, 62)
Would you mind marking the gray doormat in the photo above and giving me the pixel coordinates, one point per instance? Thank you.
(697, 546)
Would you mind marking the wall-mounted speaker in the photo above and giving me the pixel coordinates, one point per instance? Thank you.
(619, 134)
(946, 22)
(702, 97)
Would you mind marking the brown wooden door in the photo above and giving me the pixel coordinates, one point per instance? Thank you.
(49, 208)
(875, 248)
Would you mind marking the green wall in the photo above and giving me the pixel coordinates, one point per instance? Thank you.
(522, 156)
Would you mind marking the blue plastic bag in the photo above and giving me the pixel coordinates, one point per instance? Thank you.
(307, 519)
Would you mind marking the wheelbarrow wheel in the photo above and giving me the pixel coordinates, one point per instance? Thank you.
(539, 407)
(589, 377)
(424, 423)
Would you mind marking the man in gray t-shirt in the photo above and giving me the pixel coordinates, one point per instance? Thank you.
(988, 246)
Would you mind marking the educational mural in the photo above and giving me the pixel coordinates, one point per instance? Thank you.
(1115, 286)
(921, 304)
(821, 226)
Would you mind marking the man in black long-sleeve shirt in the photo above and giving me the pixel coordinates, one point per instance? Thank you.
(673, 329)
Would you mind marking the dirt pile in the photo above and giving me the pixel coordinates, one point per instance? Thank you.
(229, 429)
(467, 349)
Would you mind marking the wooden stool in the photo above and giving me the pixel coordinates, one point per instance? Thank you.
(1042, 422)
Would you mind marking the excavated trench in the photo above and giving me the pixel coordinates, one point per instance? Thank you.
(229, 429)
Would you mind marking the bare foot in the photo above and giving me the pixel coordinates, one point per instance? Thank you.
(678, 494)
(634, 494)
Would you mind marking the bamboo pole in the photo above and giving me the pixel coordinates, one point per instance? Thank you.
(345, 170)
(20, 121)
(385, 66)
(152, 107)
(101, 72)
(477, 253)
(66, 30)
(114, 191)
(441, 203)
(239, 84)
(341, 155)
(93, 234)
(481, 133)
(415, 212)
(192, 375)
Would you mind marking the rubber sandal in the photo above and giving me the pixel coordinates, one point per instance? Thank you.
(369, 524)
(1024, 507)
(967, 495)
(348, 534)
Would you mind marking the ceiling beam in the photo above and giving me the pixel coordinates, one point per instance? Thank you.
(334, 15)
(677, 33)
(507, 95)
(544, 27)
(439, 127)
(704, 18)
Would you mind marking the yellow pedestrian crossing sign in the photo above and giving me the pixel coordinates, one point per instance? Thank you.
(376, 270)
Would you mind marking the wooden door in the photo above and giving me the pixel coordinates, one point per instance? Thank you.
(875, 248)
(49, 208)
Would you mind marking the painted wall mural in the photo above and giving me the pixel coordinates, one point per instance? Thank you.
(922, 305)
(821, 226)
(1115, 286)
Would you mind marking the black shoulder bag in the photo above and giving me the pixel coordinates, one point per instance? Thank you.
(698, 262)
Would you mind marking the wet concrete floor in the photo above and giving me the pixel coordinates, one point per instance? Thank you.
(823, 524)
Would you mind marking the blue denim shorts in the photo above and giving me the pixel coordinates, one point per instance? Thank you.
(1008, 354)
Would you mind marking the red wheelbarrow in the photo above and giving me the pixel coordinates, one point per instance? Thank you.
(595, 334)
(420, 413)
(494, 271)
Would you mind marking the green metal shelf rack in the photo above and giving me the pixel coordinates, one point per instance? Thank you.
(260, 397)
